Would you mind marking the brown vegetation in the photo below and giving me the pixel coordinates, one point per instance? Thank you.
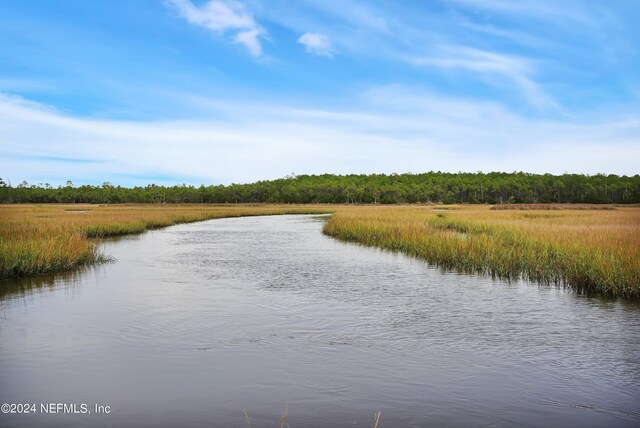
(51, 238)
(591, 251)
(553, 207)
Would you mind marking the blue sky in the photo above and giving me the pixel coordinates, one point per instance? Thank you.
(221, 91)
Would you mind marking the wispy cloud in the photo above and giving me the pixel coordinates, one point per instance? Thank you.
(566, 10)
(489, 64)
(516, 36)
(223, 17)
(393, 129)
(318, 44)
(447, 85)
(355, 14)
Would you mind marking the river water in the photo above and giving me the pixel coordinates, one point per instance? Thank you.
(195, 324)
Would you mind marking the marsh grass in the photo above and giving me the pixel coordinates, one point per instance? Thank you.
(554, 207)
(376, 419)
(593, 252)
(285, 416)
(37, 239)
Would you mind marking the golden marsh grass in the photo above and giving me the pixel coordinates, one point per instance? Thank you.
(591, 251)
(38, 239)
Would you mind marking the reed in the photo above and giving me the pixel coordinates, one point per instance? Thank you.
(285, 415)
(553, 207)
(593, 252)
(37, 239)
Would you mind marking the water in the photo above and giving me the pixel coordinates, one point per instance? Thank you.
(195, 323)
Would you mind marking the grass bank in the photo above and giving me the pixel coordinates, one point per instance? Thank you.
(37, 239)
(591, 251)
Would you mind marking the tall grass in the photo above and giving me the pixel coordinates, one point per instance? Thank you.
(38, 239)
(553, 207)
(592, 252)
(285, 416)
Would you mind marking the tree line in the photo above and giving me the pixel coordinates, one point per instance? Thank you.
(430, 187)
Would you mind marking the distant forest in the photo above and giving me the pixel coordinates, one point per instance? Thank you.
(430, 187)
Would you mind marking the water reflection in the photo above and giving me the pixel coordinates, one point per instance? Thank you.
(23, 287)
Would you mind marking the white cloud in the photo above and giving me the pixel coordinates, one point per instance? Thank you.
(395, 129)
(318, 44)
(562, 11)
(249, 38)
(222, 17)
(515, 69)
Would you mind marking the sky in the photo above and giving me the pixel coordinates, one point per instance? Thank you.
(134, 92)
